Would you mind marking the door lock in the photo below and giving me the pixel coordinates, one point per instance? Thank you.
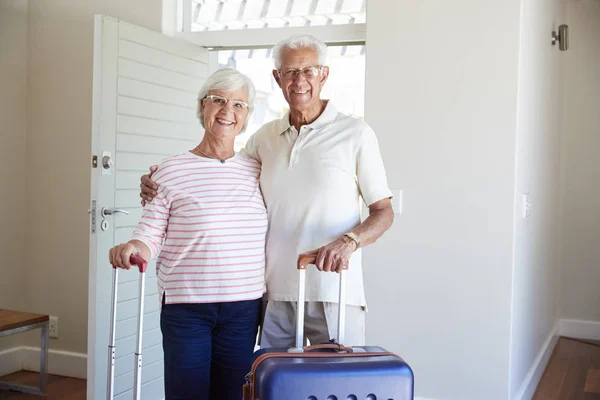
(107, 162)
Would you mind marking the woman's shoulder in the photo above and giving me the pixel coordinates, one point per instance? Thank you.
(172, 164)
(245, 161)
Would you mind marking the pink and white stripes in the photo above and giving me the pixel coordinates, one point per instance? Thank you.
(207, 225)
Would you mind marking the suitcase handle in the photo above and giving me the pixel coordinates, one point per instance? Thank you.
(139, 261)
(303, 261)
(309, 258)
(338, 347)
(137, 385)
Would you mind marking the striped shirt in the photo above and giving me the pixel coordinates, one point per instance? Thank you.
(207, 225)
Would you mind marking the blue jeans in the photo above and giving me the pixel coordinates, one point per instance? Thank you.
(208, 348)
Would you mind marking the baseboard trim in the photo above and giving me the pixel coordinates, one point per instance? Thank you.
(579, 329)
(527, 389)
(63, 363)
(74, 365)
(11, 361)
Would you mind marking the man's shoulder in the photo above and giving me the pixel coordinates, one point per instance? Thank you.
(268, 130)
(266, 133)
(350, 124)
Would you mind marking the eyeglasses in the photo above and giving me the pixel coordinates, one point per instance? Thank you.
(307, 72)
(219, 101)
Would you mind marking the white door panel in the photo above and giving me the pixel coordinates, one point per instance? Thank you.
(150, 372)
(145, 91)
(122, 235)
(128, 309)
(161, 59)
(128, 198)
(129, 290)
(147, 73)
(128, 161)
(164, 43)
(152, 337)
(150, 91)
(128, 327)
(130, 220)
(152, 145)
(164, 129)
(154, 110)
(127, 180)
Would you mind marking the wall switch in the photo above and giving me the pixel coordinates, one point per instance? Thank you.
(397, 201)
(53, 327)
(525, 205)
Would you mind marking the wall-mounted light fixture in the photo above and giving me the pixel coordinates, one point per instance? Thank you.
(562, 37)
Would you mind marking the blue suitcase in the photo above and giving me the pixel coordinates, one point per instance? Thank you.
(327, 371)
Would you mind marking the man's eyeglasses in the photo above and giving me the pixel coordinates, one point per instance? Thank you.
(219, 101)
(307, 72)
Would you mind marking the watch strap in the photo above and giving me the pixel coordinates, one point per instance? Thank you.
(354, 237)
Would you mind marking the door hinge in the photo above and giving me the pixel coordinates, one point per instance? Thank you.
(94, 161)
(93, 212)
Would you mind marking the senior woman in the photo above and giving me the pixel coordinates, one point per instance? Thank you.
(207, 227)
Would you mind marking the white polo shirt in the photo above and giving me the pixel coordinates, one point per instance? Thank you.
(312, 183)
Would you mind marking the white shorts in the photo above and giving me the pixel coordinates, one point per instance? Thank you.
(320, 324)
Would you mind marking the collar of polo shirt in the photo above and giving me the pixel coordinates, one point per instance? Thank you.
(327, 116)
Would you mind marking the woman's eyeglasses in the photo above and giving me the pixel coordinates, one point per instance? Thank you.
(219, 101)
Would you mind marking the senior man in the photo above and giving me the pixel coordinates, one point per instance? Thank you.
(316, 165)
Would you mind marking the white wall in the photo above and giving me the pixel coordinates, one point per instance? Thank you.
(580, 277)
(58, 154)
(536, 258)
(442, 97)
(13, 174)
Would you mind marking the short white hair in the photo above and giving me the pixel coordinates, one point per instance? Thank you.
(300, 41)
(228, 80)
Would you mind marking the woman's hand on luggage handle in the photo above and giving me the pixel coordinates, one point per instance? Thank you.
(119, 255)
(148, 186)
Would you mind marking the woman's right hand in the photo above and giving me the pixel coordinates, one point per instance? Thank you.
(119, 255)
(148, 186)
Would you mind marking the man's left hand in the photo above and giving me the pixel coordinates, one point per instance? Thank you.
(335, 256)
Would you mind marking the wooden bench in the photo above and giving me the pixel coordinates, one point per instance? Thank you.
(12, 322)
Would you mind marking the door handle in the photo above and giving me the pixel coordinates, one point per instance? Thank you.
(110, 211)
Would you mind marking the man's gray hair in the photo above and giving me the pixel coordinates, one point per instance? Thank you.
(299, 41)
(228, 80)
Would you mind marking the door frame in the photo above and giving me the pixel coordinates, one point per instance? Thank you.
(104, 81)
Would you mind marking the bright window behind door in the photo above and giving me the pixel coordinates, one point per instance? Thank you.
(345, 86)
(217, 15)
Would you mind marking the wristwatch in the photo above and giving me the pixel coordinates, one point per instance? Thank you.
(354, 237)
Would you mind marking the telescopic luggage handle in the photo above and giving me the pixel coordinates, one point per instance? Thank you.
(303, 261)
(142, 264)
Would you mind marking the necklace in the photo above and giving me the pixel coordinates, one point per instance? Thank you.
(197, 148)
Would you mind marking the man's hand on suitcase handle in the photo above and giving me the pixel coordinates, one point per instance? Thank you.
(334, 256)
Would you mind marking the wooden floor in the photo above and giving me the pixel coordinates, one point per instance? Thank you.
(59, 387)
(573, 373)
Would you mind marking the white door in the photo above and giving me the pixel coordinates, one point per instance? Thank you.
(145, 90)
